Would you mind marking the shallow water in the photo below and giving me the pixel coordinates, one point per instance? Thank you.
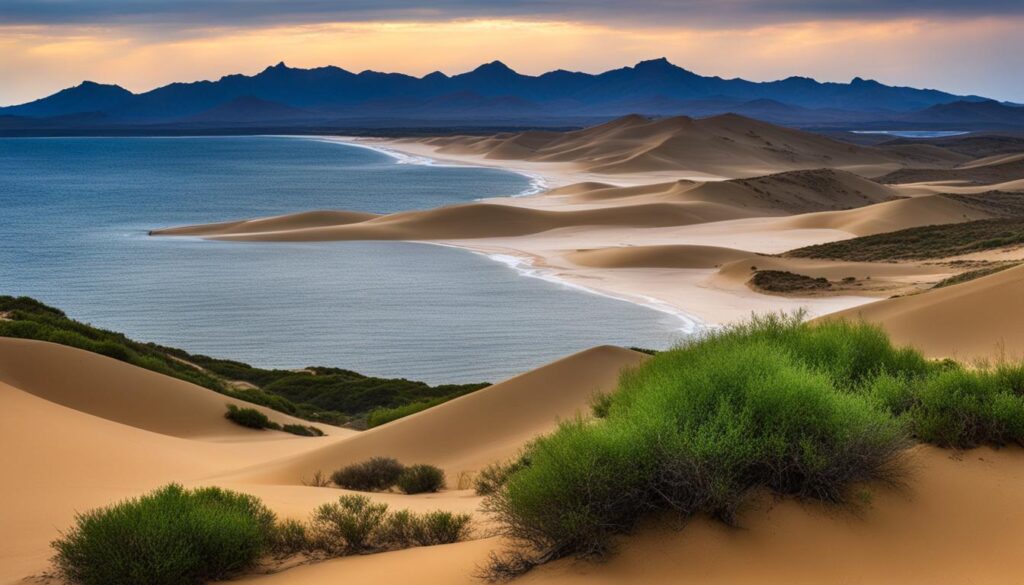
(75, 212)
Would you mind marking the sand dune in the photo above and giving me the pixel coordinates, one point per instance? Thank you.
(980, 319)
(668, 256)
(468, 433)
(890, 216)
(1000, 168)
(728, 145)
(479, 220)
(957, 524)
(123, 393)
(76, 437)
(785, 193)
(307, 219)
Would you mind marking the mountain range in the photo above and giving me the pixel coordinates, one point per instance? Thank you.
(494, 94)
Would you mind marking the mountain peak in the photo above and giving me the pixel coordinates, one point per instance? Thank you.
(494, 67)
(661, 63)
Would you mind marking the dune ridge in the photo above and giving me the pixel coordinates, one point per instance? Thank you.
(728, 145)
(976, 320)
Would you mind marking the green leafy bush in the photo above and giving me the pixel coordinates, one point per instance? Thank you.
(493, 477)
(374, 474)
(355, 525)
(249, 417)
(351, 525)
(421, 479)
(303, 430)
(770, 404)
(172, 536)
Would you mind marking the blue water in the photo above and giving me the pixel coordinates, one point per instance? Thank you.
(915, 133)
(74, 213)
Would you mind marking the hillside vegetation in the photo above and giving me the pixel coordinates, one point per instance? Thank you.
(330, 395)
(802, 410)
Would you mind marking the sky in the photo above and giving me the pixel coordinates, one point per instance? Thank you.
(963, 46)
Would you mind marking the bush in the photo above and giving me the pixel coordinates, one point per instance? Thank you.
(356, 525)
(172, 536)
(964, 409)
(600, 403)
(249, 417)
(440, 527)
(493, 477)
(377, 473)
(351, 525)
(421, 479)
(303, 430)
(773, 404)
(290, 537)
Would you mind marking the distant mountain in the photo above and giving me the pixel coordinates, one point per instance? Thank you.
(986, 112)
(86, 97)
(493, 91)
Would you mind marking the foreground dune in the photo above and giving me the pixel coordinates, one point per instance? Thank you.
(119, 392)
(81, 430)
(470, 432)
(957, 523)
(980, 319)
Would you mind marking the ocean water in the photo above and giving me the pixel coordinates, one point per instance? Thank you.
(915, 133)
(74, 213)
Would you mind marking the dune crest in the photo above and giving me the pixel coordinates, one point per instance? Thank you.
(980, 319)
(728, 145)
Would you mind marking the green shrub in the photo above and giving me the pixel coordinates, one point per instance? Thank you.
(303, 430)
(439, 527)
(773, 404)
(351, 525)
(290, 537)
(493, 477)
(421, 479)
(600, 403)
(375, 474)
(355, 525)
(249, 417)
(960, 408)
(172, 536)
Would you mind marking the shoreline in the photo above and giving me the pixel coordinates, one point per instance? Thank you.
(531, 264)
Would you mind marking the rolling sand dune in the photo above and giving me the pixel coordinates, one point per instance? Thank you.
(479, 220)
(728, 145)
(890, 216)
(70, 447)
(668, 256)
(957, 524)
(119, 392)
(470, 432)
(785, 193)
(999, 168)
(979, 319)
(308, 219)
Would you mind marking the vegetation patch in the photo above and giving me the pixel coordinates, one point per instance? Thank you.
(421, 479)
(973, 274)
(374, 474)
(254, 419)
(922, 243)
(327, 395)
(782, 281)
(356, 525)
(801, 410)
(172, 536)
(175, 536)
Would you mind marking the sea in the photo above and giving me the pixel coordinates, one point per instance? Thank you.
(74, 217)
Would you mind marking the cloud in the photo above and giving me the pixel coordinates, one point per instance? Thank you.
(205, 13)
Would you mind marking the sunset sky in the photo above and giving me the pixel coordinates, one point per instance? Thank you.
(964, 47)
